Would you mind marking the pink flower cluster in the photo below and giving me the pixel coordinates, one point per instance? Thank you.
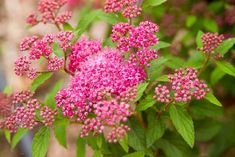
(210, 42)
(48, 13)
(81, 51)
(184, 85)
(103, 82)
(140, 38)
(129, 8)
(42, 47)
(5, 105)
(22, 113)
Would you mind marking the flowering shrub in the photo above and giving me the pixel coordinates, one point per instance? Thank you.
(117, 92)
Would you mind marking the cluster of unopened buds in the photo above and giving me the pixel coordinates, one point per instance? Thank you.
(129, 8)
(38, 48)
(139, 38)
(22, 113)
(184, 85)
(210, 42)
(48, 12)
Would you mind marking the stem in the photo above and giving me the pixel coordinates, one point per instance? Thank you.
(58, 27)
(204, 64)
(140, 119)
(164, 108)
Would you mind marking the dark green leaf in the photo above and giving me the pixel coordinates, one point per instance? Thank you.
(41, 142)
(135, 154)
(210, 25)
(40, 80)
(155, 129)
(183, 123)
(190, 20)
(216, 75)
(199, 39)
(81, 147)
(124, 144)
(18, 136)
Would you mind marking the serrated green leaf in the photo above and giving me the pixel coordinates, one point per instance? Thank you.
(216, 75)
(40, 80)
(211, 98)
(81, 147)
(183, 123)
(190, 20)
(146, 103)
(124, 144)
(41, 142)
(140, 90)
(136, 136)
(169, 149)
(50, 98)
(60, 134)
(18, 136)
(226, 67)
(199, 39)
(155, 129)
(136, 154)
(225, 46)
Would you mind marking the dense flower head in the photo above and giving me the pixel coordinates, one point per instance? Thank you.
(118, 133)
(49, 13)
(145, 56)
(5, 105)
(48, 115)
(139, 37)
(132, 11)
(42, 47)
(22, 96)
(55, 63)
(211, 41)
(186, 85)
(162, 94)
(81, 51)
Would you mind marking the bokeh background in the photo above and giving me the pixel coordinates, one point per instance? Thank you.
(179, 22)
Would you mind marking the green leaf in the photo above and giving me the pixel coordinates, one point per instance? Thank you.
(67, 27)
(190, 20)
(40, 80)
(18, 136)
(210, 25)
(7, 135)
(107, 17)
(226, 67)
(7, 90)
(163, 78)
(169, 149)
(196, 60)
(124, 144)
(160, 45)
(211, 98)
(155, 129)
(60, 134)
(50, 98)
(97, 153)
(81, 147)
(147, 102)
(41, 142)
(135, 154)
(57, 50)
(183, 123)
(85, 21)
(136, 136)
(140, 90)
(199, 39)
(225, 46)
(216, 75)
(148, 3)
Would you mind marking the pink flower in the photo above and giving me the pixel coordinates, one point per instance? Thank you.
(48, 116)
(162, 94)
(63, 17)
(211, 41)
(132, 12)
(55, 63)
